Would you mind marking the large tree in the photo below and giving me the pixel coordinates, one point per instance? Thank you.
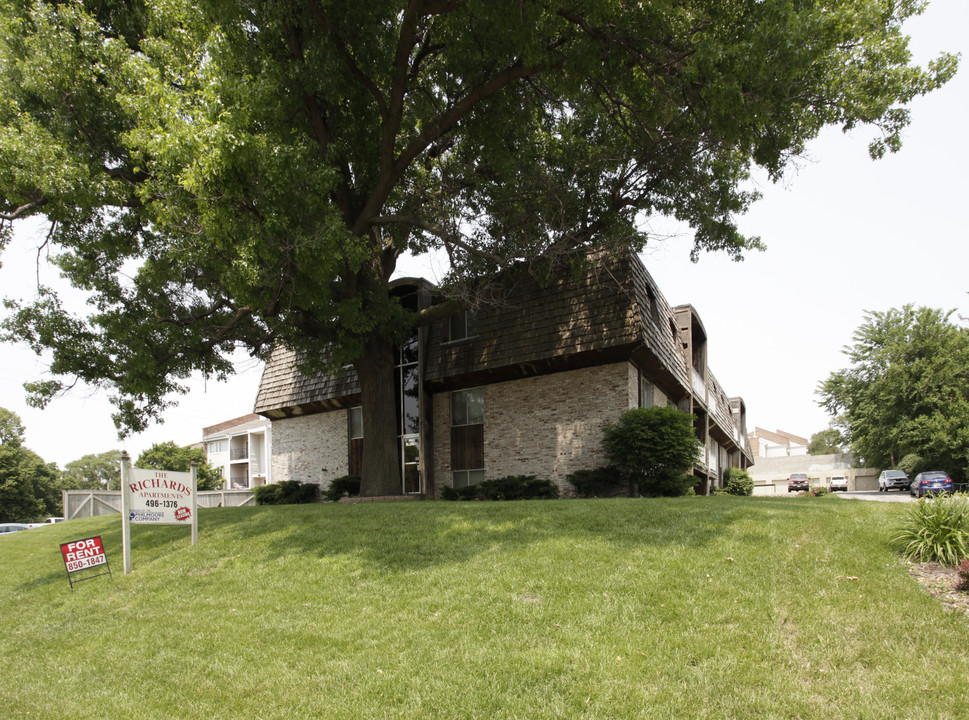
(101, 471)
(906, 392)
(29, 488)
(221, 173)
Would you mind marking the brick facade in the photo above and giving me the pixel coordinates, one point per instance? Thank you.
(310, 448)
(548, 426)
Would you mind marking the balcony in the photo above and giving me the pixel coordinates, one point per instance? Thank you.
(239, 454)
(699, 386)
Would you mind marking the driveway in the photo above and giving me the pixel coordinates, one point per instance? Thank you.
(893, 496)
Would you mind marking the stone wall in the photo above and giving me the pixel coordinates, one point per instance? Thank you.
(548, 426)
(310, 448)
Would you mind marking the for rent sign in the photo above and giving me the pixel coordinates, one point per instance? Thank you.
(81, 554)
(84, 554)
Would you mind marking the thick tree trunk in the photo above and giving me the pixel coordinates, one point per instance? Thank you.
(381, 467)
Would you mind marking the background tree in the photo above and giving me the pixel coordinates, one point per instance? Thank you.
(169, 456)
(825, 442)
(100, 471)
(655, 447)
(29, 489)
(906, 391)
(221, 174)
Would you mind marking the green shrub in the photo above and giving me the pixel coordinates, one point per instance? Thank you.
(469, 492)
(737, 481)
(512, 487)
(346, 485)
(654, 447)
(601, 482)
(287, 492)
(936, 529)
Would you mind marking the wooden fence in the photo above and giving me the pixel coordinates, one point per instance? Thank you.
(85, 503)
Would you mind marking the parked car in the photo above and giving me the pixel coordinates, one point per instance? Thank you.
(933, 482)
(6, 528)
(839, 482)
(893, 479)
(48, 521)
(797, 482)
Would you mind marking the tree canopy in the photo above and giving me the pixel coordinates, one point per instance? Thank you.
(906, 393)
(29, 489)
(221, 174)
(169, 456)
(825, 442)
(101, 471)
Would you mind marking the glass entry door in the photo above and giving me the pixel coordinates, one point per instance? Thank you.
(411, 458)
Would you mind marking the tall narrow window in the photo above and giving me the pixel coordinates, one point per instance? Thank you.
(646, 394)
(355, 422)
(467, 437)
(408, 414)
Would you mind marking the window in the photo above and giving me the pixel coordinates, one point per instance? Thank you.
(467, 407)
(464, 478)
(355, 443)
(646, 394)
(467, 437)
(216, 446)
(463, 325)
(356, 422)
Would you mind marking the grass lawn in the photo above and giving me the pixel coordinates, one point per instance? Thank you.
(715, 607)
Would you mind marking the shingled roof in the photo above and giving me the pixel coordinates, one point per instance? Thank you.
(610, 312)
(285, 391)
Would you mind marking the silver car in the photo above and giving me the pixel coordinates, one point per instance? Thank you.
(6, 528)
(893, 480)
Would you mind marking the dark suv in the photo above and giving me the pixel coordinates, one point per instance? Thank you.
(797, 481)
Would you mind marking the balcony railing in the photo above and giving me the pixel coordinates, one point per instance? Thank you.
(699, 386)
(239, 453)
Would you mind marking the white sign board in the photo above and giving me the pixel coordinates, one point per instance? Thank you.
(156, 497)
(160, 497)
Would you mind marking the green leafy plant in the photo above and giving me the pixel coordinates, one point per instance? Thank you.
(737, 481)
(287, 492)
(344, 486)
(600, 482)
(511, 487)
(936, 529)
(654, 447)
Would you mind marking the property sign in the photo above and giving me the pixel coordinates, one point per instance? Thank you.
(83, 554)
(160, 497)
(156, 497)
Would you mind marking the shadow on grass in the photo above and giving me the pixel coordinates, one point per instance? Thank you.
(404, 537)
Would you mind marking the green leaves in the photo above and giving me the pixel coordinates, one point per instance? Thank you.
(223, 174)
(655, 447)
(905, 392)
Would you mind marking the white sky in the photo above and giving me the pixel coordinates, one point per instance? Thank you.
(844, 234)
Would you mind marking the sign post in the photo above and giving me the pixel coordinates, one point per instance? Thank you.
(156, 497)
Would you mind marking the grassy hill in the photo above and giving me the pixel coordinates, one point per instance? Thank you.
(689, 608)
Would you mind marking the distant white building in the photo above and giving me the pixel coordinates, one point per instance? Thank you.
(767, 444)
(240, 450)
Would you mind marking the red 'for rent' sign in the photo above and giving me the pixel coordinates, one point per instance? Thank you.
(81, 554)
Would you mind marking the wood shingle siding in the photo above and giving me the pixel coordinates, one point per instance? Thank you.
(285, 391)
